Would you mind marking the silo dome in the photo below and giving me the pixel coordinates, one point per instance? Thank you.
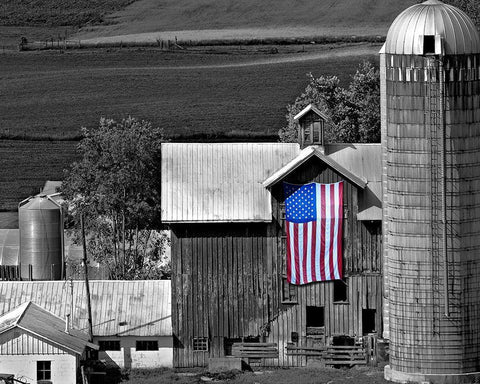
(437, 21)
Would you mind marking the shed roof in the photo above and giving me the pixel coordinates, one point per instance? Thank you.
(123, 308)
(36, 320)
(220, 182)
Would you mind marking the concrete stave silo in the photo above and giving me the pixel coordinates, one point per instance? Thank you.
(430, 69)
(40, 223)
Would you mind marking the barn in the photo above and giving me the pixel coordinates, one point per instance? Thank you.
(224, 204)
(38, 346)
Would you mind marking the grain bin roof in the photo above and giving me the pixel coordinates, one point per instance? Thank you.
(38, 321)
(122, 308)
(457, 30)
(220, 182)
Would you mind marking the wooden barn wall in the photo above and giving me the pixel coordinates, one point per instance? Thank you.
(228, 281)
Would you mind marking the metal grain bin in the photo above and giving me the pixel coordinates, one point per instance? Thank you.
(430, 86)
(41, 238)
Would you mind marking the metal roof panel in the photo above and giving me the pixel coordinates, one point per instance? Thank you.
(130, 308)
(219, 182)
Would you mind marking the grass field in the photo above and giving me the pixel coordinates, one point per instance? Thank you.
(58, 12)
(275, 376)
(199, 94)
(26, 165)
(140, 20)
(241, 18)
(51, 95)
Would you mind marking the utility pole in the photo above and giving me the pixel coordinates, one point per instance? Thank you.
(87, 285)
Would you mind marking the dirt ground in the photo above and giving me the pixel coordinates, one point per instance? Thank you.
(363, 375)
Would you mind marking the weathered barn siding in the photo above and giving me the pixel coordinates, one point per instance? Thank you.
(228, 280)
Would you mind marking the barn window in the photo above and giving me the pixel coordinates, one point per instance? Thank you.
(44, 370)
(109, 345)
(289, 292)
(368, 321)
(315, 316)
(147, 345)
(200, 344)
(340, 292)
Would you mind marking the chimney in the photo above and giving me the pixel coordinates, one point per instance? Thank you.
(67, 323)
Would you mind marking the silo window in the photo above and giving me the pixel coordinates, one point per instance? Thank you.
(429, 45)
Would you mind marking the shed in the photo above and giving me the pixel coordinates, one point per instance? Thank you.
(53, 350)
(131, 319)
(224, 206)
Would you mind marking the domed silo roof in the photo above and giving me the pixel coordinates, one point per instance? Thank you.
(432, 18)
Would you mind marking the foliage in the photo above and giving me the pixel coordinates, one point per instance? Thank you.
(115, 187)
(470, 7)
(354, 112)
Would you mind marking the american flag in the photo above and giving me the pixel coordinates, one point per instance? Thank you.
(314, 216)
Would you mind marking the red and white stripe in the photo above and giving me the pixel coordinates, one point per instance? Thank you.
(314, 249)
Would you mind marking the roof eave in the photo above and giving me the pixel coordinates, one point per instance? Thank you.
(308, 108)
(306, 154)
(61, 345)
(216, 221)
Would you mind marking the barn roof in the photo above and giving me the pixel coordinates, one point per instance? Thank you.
(220, 182)
(119, 308)
(361, 164)
(41, 323)
(302, 157)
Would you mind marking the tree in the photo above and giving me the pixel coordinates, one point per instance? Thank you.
(354, 112)
(470, 7)
(115, 186)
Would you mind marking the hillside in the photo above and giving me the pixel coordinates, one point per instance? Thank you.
(250, 17)
(57, 13)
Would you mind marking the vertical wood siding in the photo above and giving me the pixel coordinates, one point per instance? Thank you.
(18, 342)
(227, 281)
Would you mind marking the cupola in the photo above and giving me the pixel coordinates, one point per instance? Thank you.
(311, 126)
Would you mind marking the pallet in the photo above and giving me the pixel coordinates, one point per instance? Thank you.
(255, 350)
(332, 354)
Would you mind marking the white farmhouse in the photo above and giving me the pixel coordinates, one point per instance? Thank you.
(38, 346)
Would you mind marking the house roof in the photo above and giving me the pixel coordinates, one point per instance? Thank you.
(219, 182)
(302, 157)
(32, 318)
(123, 308)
